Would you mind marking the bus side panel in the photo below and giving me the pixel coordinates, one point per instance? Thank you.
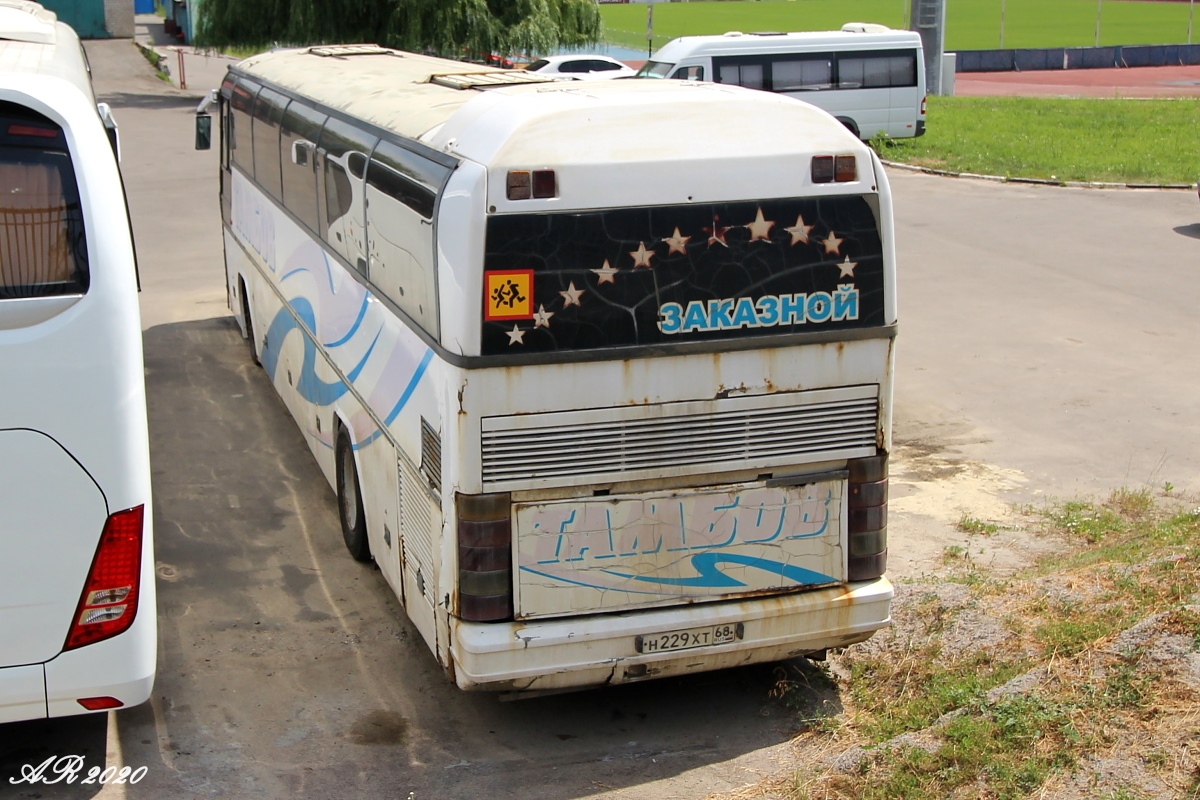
(339, 357)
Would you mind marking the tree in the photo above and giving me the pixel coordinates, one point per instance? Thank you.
(445, 27)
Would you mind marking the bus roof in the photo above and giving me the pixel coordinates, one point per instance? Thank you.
(517, 122)
(737, 43)
(33, 41)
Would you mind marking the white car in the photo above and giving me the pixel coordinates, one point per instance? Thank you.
(581, 67)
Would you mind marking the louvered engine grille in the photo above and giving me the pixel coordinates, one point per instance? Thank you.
(679, 439)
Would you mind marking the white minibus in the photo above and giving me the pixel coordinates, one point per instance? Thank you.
(600, 372)
(77, 604)
(870, 77)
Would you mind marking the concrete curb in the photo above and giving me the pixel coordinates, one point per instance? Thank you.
(1037, 181)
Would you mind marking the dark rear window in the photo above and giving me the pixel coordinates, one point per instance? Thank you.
(658, 276)
(43, 251)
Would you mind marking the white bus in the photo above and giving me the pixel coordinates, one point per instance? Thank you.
(77, 605)
(870, 77)
(601, 372)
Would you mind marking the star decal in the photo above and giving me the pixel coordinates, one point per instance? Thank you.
(677, 243)
(832, 243)
(799, 231)
(642, 256)
(571, 296)
(760, 228)
(716, 234)
(604, 274)
(847, 268)
(542, 318)
(516, 336)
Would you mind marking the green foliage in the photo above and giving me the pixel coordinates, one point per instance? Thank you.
(970, 524)
(447, 27)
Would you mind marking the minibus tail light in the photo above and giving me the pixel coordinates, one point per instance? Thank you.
(544, 183)
(867, 525)
(484, 557)
(923, 106)
(38, 131)
(109, 602)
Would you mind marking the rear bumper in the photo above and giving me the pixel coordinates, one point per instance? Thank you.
(597, 650)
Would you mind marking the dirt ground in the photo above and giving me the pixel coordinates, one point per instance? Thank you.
(1130, 82)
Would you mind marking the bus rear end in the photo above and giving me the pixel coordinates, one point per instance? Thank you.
(77, 603)
(670, 454)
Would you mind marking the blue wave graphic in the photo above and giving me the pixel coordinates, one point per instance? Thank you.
(710, 576)
(310, 387)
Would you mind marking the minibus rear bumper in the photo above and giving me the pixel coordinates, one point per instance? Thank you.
(602, 649)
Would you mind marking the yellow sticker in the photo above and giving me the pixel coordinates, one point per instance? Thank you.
(508, 294)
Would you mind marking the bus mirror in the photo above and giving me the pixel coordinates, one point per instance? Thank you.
(203, 131)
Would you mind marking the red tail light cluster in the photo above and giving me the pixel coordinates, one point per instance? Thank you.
(868, 517)
(484, 557)
(523, 184)
(110, 596)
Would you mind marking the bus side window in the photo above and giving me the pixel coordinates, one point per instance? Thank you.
(299, 131)
(344, 150)
(268, 111)
(803, 74)
(401, 195)
(240, 145)
(748, 75)
(43, 251)
(689, 73)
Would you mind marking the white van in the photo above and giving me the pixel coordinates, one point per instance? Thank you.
(77, 616)
(870, 77)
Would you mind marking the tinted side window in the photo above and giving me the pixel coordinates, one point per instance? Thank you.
(689, 73)
(748, 75)
(536, 65)
(299, 132)
(401, 194)
(344, 151)
(43, 251)
(805, 74)
(268, 111)
(877, 70)
(240, 145)
(572, 67)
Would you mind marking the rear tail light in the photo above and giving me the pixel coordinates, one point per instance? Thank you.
(827, 169)
(923, 106)
(867, 529)
(484, 557)
(99, 703)
(109, 602)
(39, 131)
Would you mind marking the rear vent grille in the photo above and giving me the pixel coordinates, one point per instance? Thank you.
(630, 443)
(484, 80)
(431, 455)
(343, 50)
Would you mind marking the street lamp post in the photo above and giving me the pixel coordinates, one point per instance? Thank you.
(1098, 4)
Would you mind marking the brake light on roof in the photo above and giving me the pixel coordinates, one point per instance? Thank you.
(25, 129)
(539, 184)
(827, 169)
(109, 602)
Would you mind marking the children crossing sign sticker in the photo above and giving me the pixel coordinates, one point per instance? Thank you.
(508, 295)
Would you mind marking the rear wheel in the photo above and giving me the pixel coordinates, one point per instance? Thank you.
(350, 505)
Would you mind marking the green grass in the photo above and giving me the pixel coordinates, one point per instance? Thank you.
(970, 24)
(1081, 139)
(1123, 560)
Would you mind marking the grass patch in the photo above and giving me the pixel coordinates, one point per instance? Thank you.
(1096, 638)
(969, 26)
(1079, 139)
(974, 525)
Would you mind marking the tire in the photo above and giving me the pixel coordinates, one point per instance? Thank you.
(850, 125)
(350, 504)
(249, 323)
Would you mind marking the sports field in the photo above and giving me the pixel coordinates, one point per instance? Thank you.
(970, 24)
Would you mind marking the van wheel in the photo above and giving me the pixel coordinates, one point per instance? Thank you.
(350, 505)
(851, 125)
(249, 322)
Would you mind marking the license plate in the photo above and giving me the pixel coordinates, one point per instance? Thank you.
(687, 639)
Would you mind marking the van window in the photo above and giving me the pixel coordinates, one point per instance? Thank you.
(748, 75)
(689, 74)
(43, 251)
(804, 74)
